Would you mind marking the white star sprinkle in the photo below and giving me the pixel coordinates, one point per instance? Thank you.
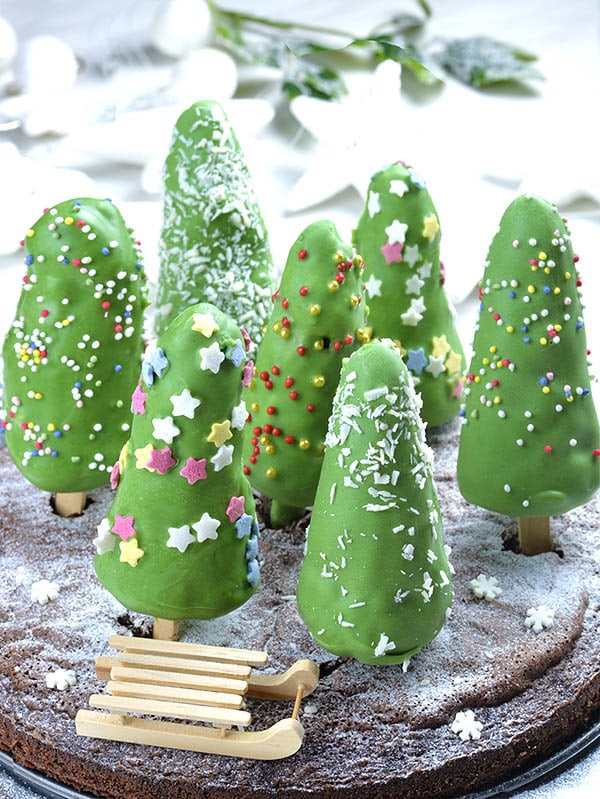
(44, 591)
(184, 404)
(414, 284)
(211, 358)
(466, 726)
(485, 587)
(396, 232)
(165, 429)
(539, 618)
(206, 528)
(105, 540)
(436, 366)
(413, 316)
(373, 286)
(180, 537)
(61, 679)
(411, 255)
(373, 204)
(239, 415)
(398, 187)
(223, 457)
(424, 270)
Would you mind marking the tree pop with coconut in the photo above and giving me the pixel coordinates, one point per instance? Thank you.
(72, 354)
(398, 235)
(375, 583)
(530, 441)
(214, 245)
(181, 539)
(318, 318)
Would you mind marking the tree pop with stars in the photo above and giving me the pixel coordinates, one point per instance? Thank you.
(318, 318)
(398, 235)
(530, 441)
(72, 354)
(181, 538)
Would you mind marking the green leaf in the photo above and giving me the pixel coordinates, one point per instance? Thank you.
(482, 61)
(406, 54)
(312, 80)
(398, 25)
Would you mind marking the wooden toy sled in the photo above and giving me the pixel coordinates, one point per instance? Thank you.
(194, 683)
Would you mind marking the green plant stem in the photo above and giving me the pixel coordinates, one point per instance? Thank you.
(238, 17)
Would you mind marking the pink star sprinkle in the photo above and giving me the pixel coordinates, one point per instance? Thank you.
(138, 400)
(115, 476)
(392, 252)
(248, 374)
(194, 470)
(123, 527)
(235, 508)
(246, 337)
(161, 460)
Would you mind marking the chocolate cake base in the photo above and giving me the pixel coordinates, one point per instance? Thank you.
(371, 732)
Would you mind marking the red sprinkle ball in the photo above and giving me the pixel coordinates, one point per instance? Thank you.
(302, 254)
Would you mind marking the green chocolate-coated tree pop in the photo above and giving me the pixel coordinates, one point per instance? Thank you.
(318, 318)
(398, 235)
(214, 245)
(72, 354)
(375, 583)
(181, 539)
(530, 441)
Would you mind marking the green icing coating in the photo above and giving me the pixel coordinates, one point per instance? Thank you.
(181, 537)
(530, 441)
(214, 245)
(318, 318)
(398, 235)
(375, 583)
(72, 354)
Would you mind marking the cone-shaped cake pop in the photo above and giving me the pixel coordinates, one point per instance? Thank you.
(530, 442)
(214, 245)
(181, 539)
(72, 355)
(398, 235)
(375, 582)
(317, 320)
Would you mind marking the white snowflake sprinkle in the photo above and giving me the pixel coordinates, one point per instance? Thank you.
(61, 679)
(44, 591)
(466, 726)
(539, 618)
(485, 587)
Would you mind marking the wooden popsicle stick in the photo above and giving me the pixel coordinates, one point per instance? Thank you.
(165, 630)
(534, 535)
(281, 740)
(184, 665)
(200, 682)
(252, 657)
(176, 710)
(170, 693)
(70, 504)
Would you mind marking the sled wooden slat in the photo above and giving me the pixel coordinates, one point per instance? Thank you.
(199, 682)
(170, 693)
(175, 710)
(250, 657)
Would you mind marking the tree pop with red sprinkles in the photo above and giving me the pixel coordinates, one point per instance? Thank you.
(318, 318)
(530, 436)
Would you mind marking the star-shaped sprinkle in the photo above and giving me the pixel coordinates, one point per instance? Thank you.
(252, 548)
(413, 316)
(184, 404)
(206, 528)
(138, 400)
(211, 358)
(123, 526)
(373, 286)
(142, 456)
(180, 537)
(440, 346)
(430, 227)
(159, 362)
(235, 508)
(220, 432)
(165, 429)
(246, 337)
(436, 366)
(392, 252)
(130, 552)
(485, 587)
(539, 618)
(61, 679)
(104, 541)
(414, 284)
(239, 415)
(466, 726)
(235, 354)
(453, 363)
(204, 323)
(161, 460)
(398, 187)
(194, 470)
(396, 232)
(373, 204)
(424, 270)
(411, 255)
(115, 476)
(44, 591)
(223, 457)
(416, 360)
(253, 573)
(248, 374)
(243, 525)
(417, 179)
(123, 457)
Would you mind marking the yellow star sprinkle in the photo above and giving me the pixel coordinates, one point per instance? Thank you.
(440, 346)
(430, 227)
(204, 323)
(220, 432)
(143, 455)
(124, 456)
(130, 552)
(453, 363)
